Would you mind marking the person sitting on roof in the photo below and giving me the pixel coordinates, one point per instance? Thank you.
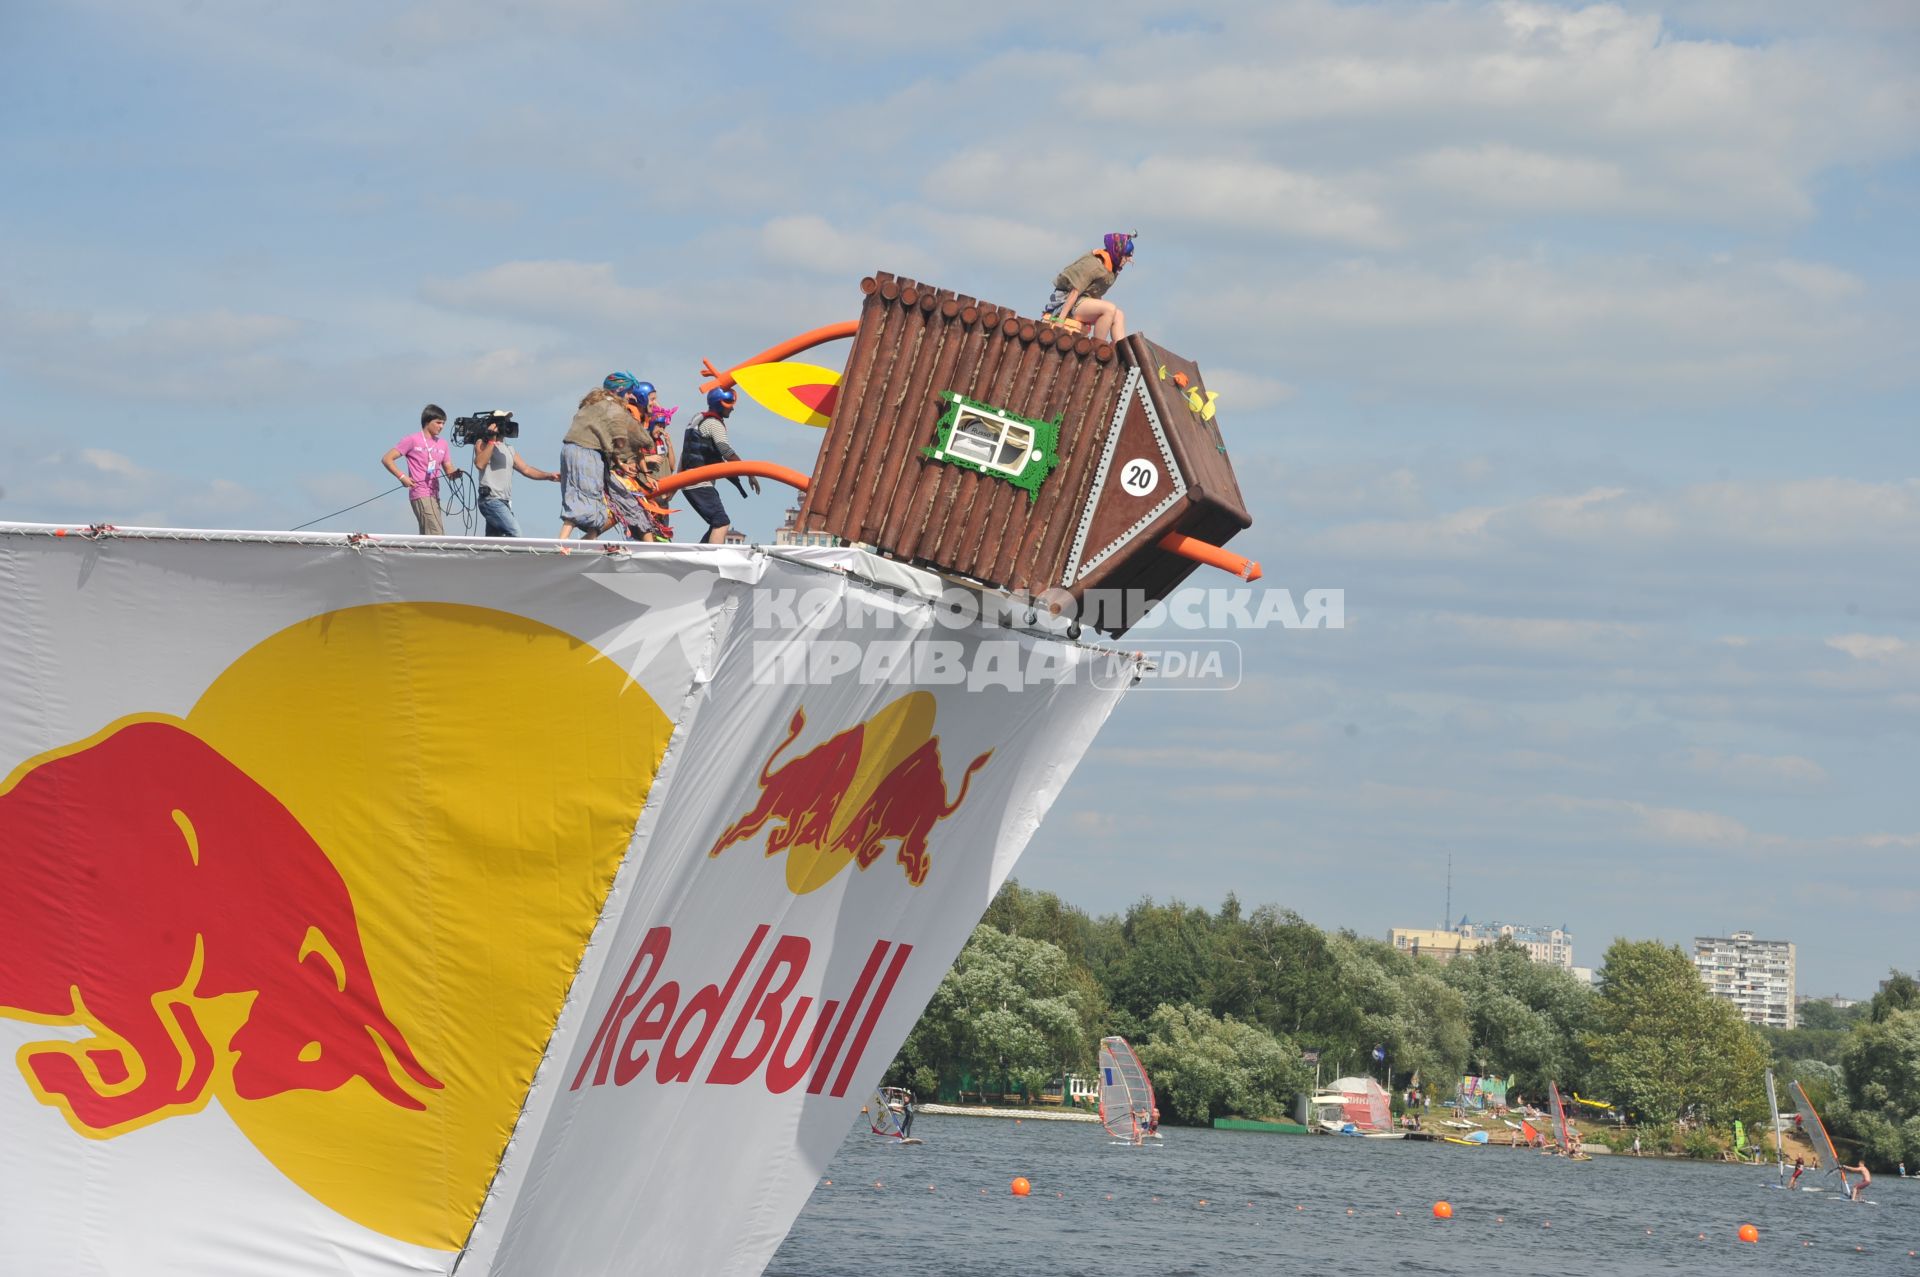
(1080, 289)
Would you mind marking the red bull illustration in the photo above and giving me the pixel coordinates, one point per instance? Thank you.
(272, 907)
(839, 803)
(182, 885)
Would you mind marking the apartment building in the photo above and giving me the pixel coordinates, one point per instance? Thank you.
(1755, 975)
(1442, 946)
(1551, 945)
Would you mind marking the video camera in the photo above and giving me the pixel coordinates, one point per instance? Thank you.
(499, 423)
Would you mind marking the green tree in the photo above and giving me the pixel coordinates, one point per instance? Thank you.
(1882, 1067)
(1041, 915)
(1168, 958)
(1205, 1067)
(1898, 992)
(1525, 1018)
(1663, 1046)
(1824, 1016)
(1285, 960)
(1010, 1008)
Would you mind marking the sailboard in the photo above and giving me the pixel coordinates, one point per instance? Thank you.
(1816, 1131)
(1127, 1108)
(890, 1114)
(1560, 1134)
(1779, 1145)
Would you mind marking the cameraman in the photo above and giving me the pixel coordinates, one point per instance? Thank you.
(495, 460)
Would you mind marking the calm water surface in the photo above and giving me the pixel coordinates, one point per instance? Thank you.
(1102, 1211)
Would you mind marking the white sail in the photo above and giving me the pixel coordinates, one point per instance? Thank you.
(1816, 1131)
(887, 1111)
(1126, 1095)
(1773, 1107)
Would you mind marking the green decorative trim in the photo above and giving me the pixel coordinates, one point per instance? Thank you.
(1041, 459)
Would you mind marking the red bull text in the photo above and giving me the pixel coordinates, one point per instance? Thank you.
(770, 1039)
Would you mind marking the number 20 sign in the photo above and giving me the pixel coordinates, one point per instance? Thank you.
(1140, 477)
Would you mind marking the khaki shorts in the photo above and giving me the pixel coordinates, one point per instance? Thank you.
(426, 510)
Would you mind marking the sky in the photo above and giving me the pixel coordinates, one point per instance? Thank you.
(1576, 344)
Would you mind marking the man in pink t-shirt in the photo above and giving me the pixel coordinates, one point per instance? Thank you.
(426, 454)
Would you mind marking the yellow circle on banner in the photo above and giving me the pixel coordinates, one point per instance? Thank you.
(474, 777)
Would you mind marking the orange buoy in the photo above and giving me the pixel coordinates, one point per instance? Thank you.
(1020, 1186)
(1748, 1233)
(1443, 1210)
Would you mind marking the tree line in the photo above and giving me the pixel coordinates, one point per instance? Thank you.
(1225, 1008)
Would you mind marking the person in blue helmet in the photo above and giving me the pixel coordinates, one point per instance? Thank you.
(601, 435)
(1080, 290)
(706, 444)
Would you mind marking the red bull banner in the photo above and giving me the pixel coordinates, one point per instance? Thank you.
(404, 906)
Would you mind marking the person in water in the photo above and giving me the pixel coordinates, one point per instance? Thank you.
(1799, 1168)
(1080, 290)
(1859, 1190)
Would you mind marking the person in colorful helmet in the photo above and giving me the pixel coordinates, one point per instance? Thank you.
(1080, 290)
(706, 444)
(601, 434)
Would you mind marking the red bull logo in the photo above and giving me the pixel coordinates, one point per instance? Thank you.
(167, 903)
(270, 914)
(843, 801)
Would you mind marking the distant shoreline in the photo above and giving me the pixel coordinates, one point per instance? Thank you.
(981, 1110)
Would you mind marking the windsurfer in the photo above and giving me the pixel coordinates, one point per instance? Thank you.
(1799, 1167)
(906, 1115)
(1859, 1190)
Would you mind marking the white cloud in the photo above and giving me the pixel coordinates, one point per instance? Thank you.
(113, 463)
(814, 245)
(1801, 516)
(569, 292)
(1768, 772)
(1870, 647)
(1171, 189)
(1241, 391)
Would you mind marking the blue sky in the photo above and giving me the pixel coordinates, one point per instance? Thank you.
(1577, 344)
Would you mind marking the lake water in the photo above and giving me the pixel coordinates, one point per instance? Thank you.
(1279, 1204)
